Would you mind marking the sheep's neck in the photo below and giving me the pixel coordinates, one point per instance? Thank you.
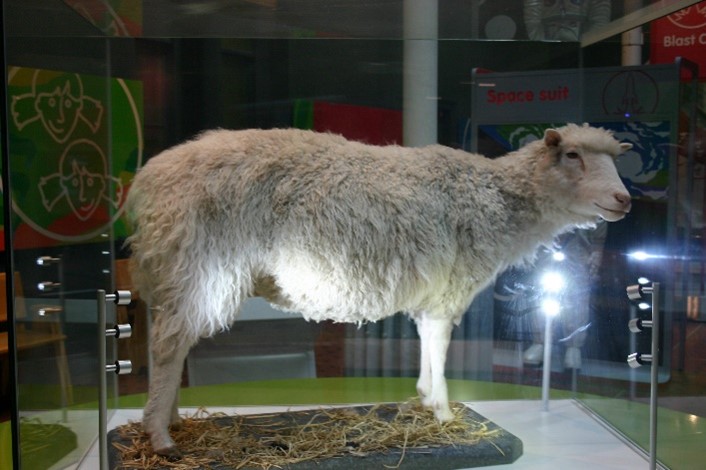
(525, 223)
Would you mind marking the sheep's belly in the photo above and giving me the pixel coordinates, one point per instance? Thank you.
(326, 301)
(333, 295)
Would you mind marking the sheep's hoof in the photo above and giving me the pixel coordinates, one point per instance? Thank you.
(443, 414)
(170, 453)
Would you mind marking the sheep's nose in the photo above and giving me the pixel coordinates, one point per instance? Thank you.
(624, 200)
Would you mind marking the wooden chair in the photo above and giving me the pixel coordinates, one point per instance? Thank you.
(30, 334)
(135, 347)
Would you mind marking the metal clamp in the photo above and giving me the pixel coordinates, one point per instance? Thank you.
(119, 297)
(637, 359)
(45, 310)
(638, 291)
(48, 286)
(637, 325)
(120, 367)
(48, 260)
(119, 331)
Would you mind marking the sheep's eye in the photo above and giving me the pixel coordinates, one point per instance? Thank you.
(572, 155)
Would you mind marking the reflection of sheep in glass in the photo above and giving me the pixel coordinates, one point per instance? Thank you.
(344, 231)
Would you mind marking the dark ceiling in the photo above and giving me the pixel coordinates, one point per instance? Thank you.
(373, 19)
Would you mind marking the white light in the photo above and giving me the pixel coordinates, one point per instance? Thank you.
(639, 255)
(551, 307)
(552, 281)
(643, 305)
(558, 256)
(643, 281)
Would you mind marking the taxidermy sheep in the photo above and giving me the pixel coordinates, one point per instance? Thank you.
(339, 230)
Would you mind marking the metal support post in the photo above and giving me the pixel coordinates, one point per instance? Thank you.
(118, 367)
(654, 375)
(102, 383)
(547, 364)
(637, 359)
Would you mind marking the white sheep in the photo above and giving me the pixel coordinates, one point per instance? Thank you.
(349, 232)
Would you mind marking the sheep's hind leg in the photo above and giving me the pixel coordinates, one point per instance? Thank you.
(160, 411)
(175, 420)
(435, 335)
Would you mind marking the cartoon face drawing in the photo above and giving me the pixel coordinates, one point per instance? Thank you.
(82, 181)
(58, 102)
(59, 111)
(84, 190)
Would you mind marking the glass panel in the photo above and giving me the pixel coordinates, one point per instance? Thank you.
(75, 139)
(140, 77)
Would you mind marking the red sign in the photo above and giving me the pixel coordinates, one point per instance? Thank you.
(681, 34)
(375, 126)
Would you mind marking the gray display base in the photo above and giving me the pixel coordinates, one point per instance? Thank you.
(502, 448)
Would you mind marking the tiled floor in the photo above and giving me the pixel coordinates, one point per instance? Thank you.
(563, 437)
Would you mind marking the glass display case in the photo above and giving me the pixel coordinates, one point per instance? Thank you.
(94, 88)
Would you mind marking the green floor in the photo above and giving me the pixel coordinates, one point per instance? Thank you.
(681, 437)
(337, 390)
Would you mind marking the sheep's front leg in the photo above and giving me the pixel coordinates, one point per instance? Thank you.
(435, 335)
(161, 408)
(424, 382)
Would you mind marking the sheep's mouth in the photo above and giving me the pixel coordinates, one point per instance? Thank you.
(614, 214)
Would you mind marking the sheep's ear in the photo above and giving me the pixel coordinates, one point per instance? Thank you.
(625, 146)
(552, 138)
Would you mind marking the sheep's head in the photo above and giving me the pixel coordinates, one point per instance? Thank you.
(581, 161)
